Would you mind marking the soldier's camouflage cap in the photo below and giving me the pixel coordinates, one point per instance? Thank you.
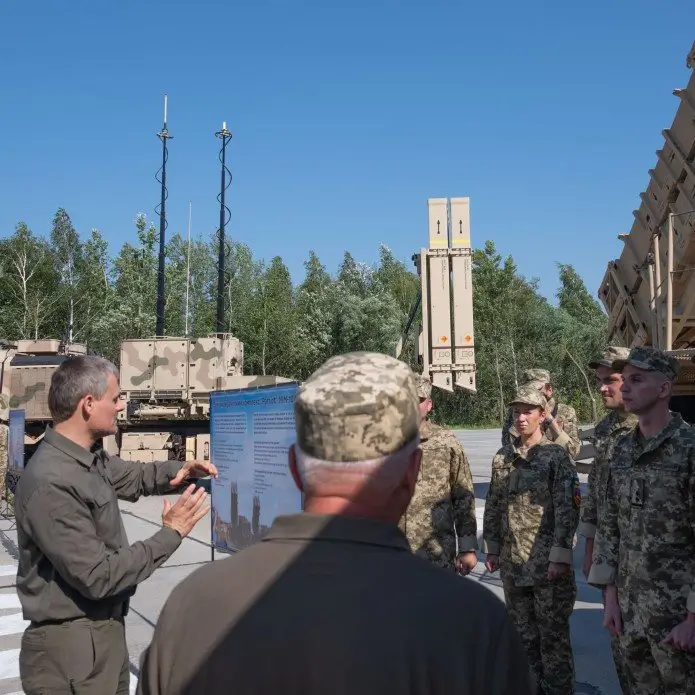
(609, 356)
(528, 395)
(650, 359)
(423, 386)
(529, 375)
(356, 407)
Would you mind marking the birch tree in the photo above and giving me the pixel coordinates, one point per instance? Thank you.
(32, 285)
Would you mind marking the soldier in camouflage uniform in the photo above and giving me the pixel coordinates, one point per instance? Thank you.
(644, 554)
(560, 423)
(531, 515)
(606, 433)
(441, 514)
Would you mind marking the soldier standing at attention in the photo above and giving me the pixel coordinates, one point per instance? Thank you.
(76, 570)
(560, 420)
(606, 433)
(644, 554)
(332, 601)
(441, 515)
(531, 515)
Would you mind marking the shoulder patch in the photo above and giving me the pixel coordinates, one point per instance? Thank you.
(576, 492)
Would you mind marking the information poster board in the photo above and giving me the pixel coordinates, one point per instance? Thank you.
(15, 439)
(251, 431)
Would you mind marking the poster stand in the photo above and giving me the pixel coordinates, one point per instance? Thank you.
(251, 430)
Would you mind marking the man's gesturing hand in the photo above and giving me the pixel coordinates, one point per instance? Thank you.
(193, 469)
(187, 511)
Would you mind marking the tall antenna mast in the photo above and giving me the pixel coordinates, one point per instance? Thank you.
(163, 136)
(225, 136)
(188, 265)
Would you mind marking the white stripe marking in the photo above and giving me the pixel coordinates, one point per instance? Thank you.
(9, 601)
(9, 664)
(12, 624)
(8, 570)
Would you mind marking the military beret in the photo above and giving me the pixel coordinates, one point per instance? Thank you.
(423, 386)
(529, 395)
(356, 407)
(610, 355)
(651, 359)
(535, 375)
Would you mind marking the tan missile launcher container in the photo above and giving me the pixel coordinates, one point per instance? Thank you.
(166, 383)
(649, 292)
(446, 344)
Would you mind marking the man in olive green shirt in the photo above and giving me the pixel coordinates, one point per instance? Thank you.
(77, 571)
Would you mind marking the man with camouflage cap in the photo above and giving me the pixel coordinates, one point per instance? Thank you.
(531, 515)
(441, 515)
(333, 600)
(644, 553)
(560, 420)
(617, 423)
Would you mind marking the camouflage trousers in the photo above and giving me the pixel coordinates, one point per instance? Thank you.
(620, 669)
(541, 615)
(653, 668)
(619, 663)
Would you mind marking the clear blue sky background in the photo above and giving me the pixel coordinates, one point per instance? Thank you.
(346, 118)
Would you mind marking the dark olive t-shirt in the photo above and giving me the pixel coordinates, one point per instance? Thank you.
(332, 605)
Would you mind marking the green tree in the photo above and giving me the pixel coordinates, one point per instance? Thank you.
(68, 261)
(31, 286)
(315, 302)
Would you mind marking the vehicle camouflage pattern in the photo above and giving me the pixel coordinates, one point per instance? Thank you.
(26, 367)
(166, 384)
(649, 292)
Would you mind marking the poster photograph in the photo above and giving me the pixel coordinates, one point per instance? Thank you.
(15, 439)
(251, 431)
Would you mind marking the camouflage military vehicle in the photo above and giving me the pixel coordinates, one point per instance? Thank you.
(26, 367)
(166, 383)
(649, 291)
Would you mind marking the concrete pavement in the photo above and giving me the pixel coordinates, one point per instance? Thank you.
(595, 674)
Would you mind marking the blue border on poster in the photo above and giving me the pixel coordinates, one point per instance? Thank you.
(15, 438)
(251, 431)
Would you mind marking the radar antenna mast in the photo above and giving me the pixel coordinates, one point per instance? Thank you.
(224, 135)
(163, 135)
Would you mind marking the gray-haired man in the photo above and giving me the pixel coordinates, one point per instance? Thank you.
(76, 570)
(333, 601)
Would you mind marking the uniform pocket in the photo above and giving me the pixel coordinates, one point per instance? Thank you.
(57, 659)
(77, 652)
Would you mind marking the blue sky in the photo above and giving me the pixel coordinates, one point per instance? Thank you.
(346, 118)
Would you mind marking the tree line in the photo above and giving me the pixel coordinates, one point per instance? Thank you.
(72, 288)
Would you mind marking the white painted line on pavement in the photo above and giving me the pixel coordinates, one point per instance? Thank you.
(12, 624)
(8, 570)
(9, 601)
(9, 664)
